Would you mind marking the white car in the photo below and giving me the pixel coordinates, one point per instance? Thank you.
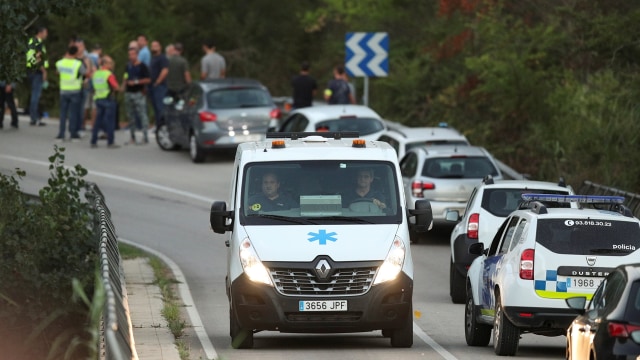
(406, 138)
(539, 257)
(335, 118)
(490, 203)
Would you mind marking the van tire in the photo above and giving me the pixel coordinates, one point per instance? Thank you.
(195, 151)
(456, 285)
(505, 335)
(475, 334)
(402, 337)
(240, 338)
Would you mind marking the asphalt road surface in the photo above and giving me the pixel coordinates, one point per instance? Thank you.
(161, 200)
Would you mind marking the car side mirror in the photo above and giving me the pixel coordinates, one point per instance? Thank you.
(576, 303)
(476, 248)
(219, 217)
(452, 215)
(423, 214)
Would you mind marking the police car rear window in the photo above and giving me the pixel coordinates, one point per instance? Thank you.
(501, 202)
(458, 168)
(588, 236)
(364, 126)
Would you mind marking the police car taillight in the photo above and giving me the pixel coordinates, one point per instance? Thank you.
(418, 186)
(526, 264)
(473, 226)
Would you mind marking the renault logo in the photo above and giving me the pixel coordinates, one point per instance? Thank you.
(591, 260)
(323, 269)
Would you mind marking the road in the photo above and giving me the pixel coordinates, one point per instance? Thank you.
(161, 200)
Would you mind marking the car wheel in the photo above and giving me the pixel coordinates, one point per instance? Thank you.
(195, 151)
(402, 337)
(240, 338)
(505, 335)
(475, 334)
(164, 139)
(456, 285)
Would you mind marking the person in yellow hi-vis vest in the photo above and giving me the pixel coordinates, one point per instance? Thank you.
(71, 71)
(37, 65)
(104, 86)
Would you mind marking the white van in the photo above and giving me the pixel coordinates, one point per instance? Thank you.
(319, 241)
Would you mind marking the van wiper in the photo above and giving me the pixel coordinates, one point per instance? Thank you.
(610, 251)
(282, 218)
(343, 218)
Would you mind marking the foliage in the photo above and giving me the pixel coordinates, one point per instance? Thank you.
(46, 244)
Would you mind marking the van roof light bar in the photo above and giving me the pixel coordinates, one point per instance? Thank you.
(586, 199)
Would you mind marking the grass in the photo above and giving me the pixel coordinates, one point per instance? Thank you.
(171, 309)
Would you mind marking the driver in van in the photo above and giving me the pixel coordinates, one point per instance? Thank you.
(363, 191)
(270, 199)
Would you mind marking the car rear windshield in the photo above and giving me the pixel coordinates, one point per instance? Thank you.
(238, 98)
(416, 144)
(501, 202)
(589, 236)
(364, 126)
(459, 168)
(633, 306)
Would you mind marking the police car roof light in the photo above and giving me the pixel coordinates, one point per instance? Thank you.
(327, 134)
(488, 180)
(587, 199)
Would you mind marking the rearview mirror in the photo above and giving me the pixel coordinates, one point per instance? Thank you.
(219, 217)
(577, 303)
(476, 248)
(452, 215)
(423, 214)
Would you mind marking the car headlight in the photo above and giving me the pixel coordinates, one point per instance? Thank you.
(252, 265)
(392, 264)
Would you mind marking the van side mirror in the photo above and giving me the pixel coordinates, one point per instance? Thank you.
(423, 214)
(476, 248)
(452, 215)
(219, 217)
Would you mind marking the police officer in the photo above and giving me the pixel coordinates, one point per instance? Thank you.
(71, 71)
(37, 65)
(104, 85)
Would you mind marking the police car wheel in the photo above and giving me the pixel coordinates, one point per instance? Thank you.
(163, 138)
(456, 285)
(240, 338)
(505, 335)
(195, 151)
(403, 337)
(475, 334)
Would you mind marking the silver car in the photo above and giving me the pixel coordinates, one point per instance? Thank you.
(445, 175)
(217, 114)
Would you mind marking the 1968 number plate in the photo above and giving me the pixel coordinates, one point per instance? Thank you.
(322, 305)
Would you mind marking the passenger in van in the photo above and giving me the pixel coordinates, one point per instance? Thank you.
(364, 191)
(270, 199)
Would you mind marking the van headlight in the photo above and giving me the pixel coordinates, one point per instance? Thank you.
(392, 264)
(252, 265)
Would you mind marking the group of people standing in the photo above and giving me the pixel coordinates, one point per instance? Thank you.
(338, 91)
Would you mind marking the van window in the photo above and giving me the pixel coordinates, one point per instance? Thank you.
(502, 202)
(458, 168)
(589, 236)
(320, 192)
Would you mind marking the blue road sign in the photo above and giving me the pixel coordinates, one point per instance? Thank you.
(367, 54)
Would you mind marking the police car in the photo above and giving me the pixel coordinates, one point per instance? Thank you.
(490, 203)
(539, 257)
(318, 238)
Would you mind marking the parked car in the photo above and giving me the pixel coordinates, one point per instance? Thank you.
(445, 175)
(490, 203)
(609, 328)
(217, 114)
(335, 118)
(406, 138)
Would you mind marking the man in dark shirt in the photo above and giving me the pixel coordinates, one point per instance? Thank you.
(304, 88)
(363, 191)
(270, 199)
(338, 91)
(135, 80)
(158, 86)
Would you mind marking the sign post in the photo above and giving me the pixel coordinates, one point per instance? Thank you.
(367, 55)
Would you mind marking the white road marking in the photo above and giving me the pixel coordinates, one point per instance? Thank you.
(185, 292)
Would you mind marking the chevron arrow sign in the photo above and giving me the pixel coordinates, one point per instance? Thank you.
(367, 54)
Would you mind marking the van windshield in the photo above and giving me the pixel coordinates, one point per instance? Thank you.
(320, 192)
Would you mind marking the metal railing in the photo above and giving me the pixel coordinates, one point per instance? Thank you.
(632, 200)
(116, 324)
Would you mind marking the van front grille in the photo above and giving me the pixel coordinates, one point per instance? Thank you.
(352, 281)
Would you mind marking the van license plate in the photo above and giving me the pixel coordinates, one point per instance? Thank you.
(323, 305)
(585, 283)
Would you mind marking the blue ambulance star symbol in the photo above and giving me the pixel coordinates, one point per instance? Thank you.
(322, 237)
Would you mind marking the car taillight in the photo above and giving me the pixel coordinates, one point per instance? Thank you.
(418, 186)
(473, 225)
(275, 113)
(526, 264)
(206, 116)
(621, 330)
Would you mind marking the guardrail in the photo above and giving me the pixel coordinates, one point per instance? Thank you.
(116, 324)
(632, 200)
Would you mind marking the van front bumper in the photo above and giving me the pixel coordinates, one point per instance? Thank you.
(262, 307)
